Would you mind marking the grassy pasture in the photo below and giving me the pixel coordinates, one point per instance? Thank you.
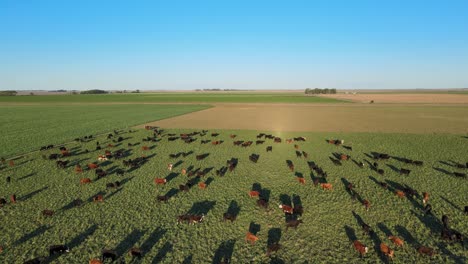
(27, 127)
(130, 216)
(221, 97)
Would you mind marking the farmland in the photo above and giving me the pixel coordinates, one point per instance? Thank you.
(130, 216)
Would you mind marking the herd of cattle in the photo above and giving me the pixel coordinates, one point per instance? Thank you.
(292, 212)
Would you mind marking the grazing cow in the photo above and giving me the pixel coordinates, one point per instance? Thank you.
(361, 164)
(400, 194)
(426, 251)
(78, 168)
(254, 194)
(301, 180)
(162, 198)
(2, 202)
(92, 166)
(109, 254)
(428, 209)
(169, 166)
(183, 172)
(305, 154)
(58, 249)
(466, 210)
(232, 136)
(404, 172)
(202, 185)
(61, 163)
(102, 158)
(445, 221)
(262, 203)
(77, 202)
(290, 165)
(397, 241)
(425, 197)
(95, 261)
(366, 204)
(296, 146)
(298, 210)
(387, 251)
(11, 163)
(254, 158)
(286, 209)
(293, 223)
(13, 198)
(184, 188)
(113, 185)
(136, 252)
(100, 173)
(366, 229)
(273, 248)
(196, 219)
(160, 181)
(361, 248)
(459, 174)
(259, 142)
(298, 154)
(344, 157)
(8, 179)
(98, 198)
(288, 140)
(47, 212)
(316, 182)
(37, 260)
(383, 185)
(277, 140)
(251, 238)
(230, 217)
(214, 134)
(410, 192)
(269, 148)
(326, 186)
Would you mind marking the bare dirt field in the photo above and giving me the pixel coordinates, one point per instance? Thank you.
(403, 98)
(397, 118)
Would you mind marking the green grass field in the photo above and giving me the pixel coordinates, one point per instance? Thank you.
(173, 98)
(26, 128)
(131, 216)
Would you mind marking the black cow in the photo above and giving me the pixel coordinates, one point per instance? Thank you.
(404, 171)
(269, 148)
(293, 223)
(58, 249)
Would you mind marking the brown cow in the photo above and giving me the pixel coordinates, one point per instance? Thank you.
(98, 198)
(202, 185)
(92, 166)
(95, 261)
(326, 186)
(400, 194)
(286, 209)
(160, 181)
(85, 181)
(251, 238)
(13, 198)
(397, 241)
(366, 204)
(78, 169)
(254, 194)
(425, 197)
(301, 180)
(361, 248)
(386, 250)
(426, 251)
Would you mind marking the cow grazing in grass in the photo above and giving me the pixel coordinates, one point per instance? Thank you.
(13, 198)
(232, 136)
(380, 171)
(273, 248)
(92, 166)
(58, 249)
(113, 185)
(301, 180)
(404, 172)
(254, 194)
(259, 142)
(366, 204)
(102, 158)
(109, 254)
(298, 154)
(162, 198)
(8, 179)
(400, 194)
(269, 148)
(294, 223)
(459, 174)
(360, 247)
(61, 163)
(95, 261)
(230, 217)
(397, 241)
(344, 157)
(387, 251)
(254, 158)
(2, 202)
(326, 186)
(47, 212)
(366, 229)
(100, 173)
(286, 209)
(98, 198)
(202, 185)
(466, 210)
(251, 238)
(305, 154)
(135, 252)
(85, 181)
(426, 251)
(277, 140)
(169, 166)
(78, 168)
(425, 197)
(298, 210)
(296, 146)
(160, 181)
(290, 165)
(262, 203)
(289, 140)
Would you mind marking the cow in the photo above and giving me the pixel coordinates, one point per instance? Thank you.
(95, 261)
(298, 210)
(254, 194)
(8, 179)
(387, 251)
(426, 251)
(290, 165)
(305, 154)
(183, 172)
(78, 168)
(466, 210)
(361, 248)
(396, 240)
(100, 173)
(254, 158)
(102, 158)
(326, 186)
(366, 229)
(184, 188)
(262, 203)
(445, 221)
(251, 238)
(400, 194)
(196, 219)
(113, 185)
(296, 146)
(404, 172)
(277, 140)
(383, 185)
(13, 198)
(160, 181)
(230, 217)
(109, 254)
(380, 171)
(2, 202)
(425, 197)
(169, 166)
(135, 252)
(47, 212)
(273, 248)
(293, 223)
(269, 148)
(289, 140)
(61, 163)
(366, 204)
(459, 174)
(58, 249)
(298, 154)
(286, 209)
(259, 142)
(85, 181)
(162, 198)
(232, 136)
(98, 198)
(344, 157)
(301, 180)
(202, 185)
(92, 166)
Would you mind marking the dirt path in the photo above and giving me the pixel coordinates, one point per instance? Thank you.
(403, 98)
(327, 118)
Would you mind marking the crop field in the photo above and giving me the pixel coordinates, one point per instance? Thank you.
(27, 127)
(130, 215)
(202, 97)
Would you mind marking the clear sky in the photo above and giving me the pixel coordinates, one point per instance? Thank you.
(236, 44)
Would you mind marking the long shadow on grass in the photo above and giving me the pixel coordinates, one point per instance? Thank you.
(285, 199)
(451, 203)
(188, 259)
(350, 233)
(257, 187)
(398, 186)
(233, 208)
(171, 193)
(430, 221)
(276, 260)
(162, 253)
(265, 194)
(224, 252)
(152, 240)
(38, 231)
(171, 176)
(254, 228)
(128, 242)
(384, 229)
(27, 176)
(443, 171)
(406, 235)
(122, 183)
(203, 207)
(296, 199)
(274, 236)
(177, 164)
(393, 168)
(32, 194)
(459, 259)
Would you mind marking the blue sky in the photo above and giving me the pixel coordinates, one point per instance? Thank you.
(233, 44)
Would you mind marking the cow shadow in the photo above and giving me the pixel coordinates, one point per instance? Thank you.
(166, 248)
(171, 193)
(254, 228)
(191, 167)
(458, 259)
(257, 187)
(406, 235)
(375, 180)
(410, 198)
(209, 181)
(203, 207)
(265, 194)
(355, 162)
(358, 218)
(224, 252)
(393, 168)
(447, 164)
(430, 221)
(202, 156)
(152, 240)
(177, 164)
(285, 199)
(296, 199)
(32, 194)
(299, 174)
(274, 236)
(27, 176)
(346, 184)
(451, 203)
(443, 171)
(76, 241)
(233, 209)
(188, 259)
(350, 233)
(171, 176)
(125, 245)
(384, 229)
(371, 165)
(276, 260)
(37, 232)
(207, 170)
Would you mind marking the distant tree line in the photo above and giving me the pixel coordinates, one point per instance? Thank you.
(320, 91)
(95, 91)
(8, 93)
